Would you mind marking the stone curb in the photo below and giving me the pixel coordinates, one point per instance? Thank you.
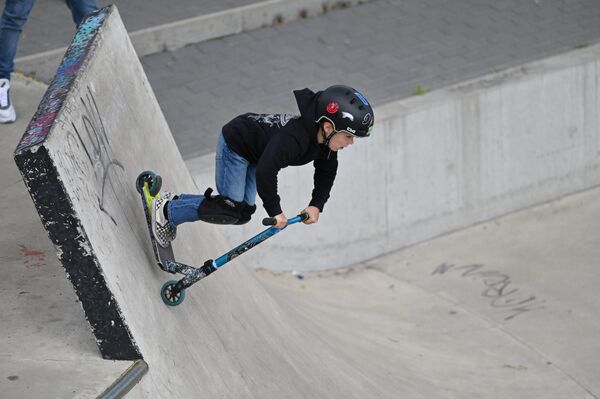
(174, 35)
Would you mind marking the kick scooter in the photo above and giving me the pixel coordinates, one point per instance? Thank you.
(148, 184)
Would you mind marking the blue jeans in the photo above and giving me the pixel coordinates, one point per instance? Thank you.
(14, 17)
(235, 178)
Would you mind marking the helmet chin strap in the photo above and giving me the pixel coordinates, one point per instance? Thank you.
(326, 138)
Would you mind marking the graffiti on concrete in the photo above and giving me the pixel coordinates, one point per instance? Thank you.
(499, 289)
(93, 137)
(55, 96)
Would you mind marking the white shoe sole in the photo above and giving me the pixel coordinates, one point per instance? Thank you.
(8, 119)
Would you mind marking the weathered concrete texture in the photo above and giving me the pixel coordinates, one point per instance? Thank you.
(504, 309)
(69, 117)
(447, 160)
(47, 349)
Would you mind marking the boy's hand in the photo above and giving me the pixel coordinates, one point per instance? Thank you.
(313, 214)
(281, 221)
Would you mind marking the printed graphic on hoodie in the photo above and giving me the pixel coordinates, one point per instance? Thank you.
(279, 120)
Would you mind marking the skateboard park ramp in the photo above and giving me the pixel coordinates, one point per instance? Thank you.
(412, 324)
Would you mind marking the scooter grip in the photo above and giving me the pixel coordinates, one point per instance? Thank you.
(269, 222)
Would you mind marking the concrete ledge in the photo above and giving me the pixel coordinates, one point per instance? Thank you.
(171, 36)
(45, 180)
(446, 160)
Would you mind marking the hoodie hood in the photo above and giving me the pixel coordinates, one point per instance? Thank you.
(307, 105)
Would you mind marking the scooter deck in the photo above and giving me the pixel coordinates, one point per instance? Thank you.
(161, 254)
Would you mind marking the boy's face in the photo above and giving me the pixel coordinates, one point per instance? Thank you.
(340, 140)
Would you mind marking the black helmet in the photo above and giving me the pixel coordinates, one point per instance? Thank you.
(346, 109)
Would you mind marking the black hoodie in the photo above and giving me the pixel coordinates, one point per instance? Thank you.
(275, 141)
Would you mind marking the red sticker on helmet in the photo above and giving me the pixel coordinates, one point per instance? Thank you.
(332, 107)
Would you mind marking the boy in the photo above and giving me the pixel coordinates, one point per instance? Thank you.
(254, 147)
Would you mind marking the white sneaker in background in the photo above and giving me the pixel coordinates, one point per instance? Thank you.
(7, 111)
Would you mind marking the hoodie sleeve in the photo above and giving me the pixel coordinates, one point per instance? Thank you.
(325, 172)
(277, 155)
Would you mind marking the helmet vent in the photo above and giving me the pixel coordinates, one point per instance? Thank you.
(361, 107)
(353, 101)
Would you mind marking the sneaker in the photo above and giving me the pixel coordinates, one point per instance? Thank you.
(7, 111)
(164, 232)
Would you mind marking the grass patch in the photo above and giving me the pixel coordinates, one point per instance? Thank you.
(421, 90)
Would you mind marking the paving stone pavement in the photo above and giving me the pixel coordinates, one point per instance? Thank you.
(50, 25)
(386, 48)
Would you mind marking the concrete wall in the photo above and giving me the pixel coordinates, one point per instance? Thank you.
(97, 127)
(446, 160)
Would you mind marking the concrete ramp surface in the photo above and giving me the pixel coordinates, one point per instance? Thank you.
(394, 327)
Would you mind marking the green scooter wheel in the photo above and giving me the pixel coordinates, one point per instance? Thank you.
(168, 294)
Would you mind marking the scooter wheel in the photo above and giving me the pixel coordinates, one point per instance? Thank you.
(155, 185)
(154, 182)
(169, 294)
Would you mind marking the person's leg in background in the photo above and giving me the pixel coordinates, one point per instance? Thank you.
(13, 19)
(81, 8)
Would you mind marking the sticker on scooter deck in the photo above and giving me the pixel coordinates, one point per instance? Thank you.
(147, 184)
